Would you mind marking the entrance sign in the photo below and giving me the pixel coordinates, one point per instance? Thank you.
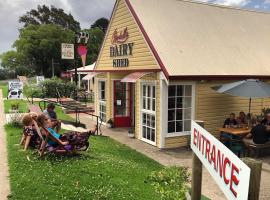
(15, 90)
(40, 79)
(67, 51)
(228, 171)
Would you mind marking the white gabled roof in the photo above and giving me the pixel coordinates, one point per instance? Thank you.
(197, 39)
(87, 68)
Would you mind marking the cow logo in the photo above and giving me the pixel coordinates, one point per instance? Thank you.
(120, 37)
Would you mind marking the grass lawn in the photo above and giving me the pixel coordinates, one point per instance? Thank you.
(23, 108)
(108, 171)
(4, 90)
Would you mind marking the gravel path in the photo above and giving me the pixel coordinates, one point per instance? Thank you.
(4, 175)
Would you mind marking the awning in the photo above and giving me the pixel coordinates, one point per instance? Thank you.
(90, 75)
(133, 77)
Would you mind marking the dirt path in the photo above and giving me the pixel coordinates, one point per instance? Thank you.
(4, 175)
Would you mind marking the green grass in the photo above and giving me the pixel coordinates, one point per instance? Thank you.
(23, 108)
(108, 171)
(4, 90)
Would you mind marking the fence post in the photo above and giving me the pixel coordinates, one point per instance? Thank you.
(196, 181)
(255, 177)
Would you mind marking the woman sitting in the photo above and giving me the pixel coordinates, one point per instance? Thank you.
(242, 118)
(71, 140)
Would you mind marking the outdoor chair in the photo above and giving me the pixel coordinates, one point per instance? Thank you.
(256, 148)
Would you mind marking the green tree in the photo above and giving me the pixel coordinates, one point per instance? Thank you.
(42, 43)
(52, 15)
(11, 59)
(101, 23)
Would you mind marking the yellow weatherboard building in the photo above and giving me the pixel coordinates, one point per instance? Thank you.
(159, 60)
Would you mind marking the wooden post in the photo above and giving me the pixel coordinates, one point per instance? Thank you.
(196, 181)
(255, 177)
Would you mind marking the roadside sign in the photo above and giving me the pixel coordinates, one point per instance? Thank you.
(40, 79)
(67, 51)
(15, 90)
(229, 172)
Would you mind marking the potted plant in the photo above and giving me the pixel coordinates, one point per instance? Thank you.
(131, 132)
(110, 123)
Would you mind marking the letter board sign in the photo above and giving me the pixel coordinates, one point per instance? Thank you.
(229, 172)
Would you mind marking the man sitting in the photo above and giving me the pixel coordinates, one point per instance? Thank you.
(231, 121)
(259, 133)
(266, 120)
(51, 114)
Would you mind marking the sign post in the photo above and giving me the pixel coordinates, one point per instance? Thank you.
(229, 172)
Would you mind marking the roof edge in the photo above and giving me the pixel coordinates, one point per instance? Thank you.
(218, 77)
(149, 42)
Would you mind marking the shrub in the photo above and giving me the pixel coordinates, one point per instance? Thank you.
(170, 182)
(49, 87)
(33, 90)
(16, 120)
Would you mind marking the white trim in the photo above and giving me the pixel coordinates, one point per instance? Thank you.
(162, 112)
(169, 135)
(151, 83)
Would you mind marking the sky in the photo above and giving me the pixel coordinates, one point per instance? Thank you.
(84, 11)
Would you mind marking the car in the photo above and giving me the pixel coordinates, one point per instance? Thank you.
(15, 94)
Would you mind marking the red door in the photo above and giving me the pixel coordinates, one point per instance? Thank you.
(122, 104)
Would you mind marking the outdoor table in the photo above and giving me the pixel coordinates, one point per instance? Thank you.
(236, 131)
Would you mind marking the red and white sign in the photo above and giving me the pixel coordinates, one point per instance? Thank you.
(228, 171)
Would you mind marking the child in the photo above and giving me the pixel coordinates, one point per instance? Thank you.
(28, 131)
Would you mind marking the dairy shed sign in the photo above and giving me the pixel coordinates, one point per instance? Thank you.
(228, 171)
(120, 49)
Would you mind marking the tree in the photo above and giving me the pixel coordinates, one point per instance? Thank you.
(101, 23)
(42, 43)
(46, 15)
(11, 59)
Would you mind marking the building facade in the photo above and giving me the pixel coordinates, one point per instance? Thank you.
(159, 60)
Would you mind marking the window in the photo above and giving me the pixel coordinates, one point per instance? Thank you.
(148, 112)
(102, 101)
(179, 108)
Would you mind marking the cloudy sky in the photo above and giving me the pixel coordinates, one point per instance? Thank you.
(85, 11)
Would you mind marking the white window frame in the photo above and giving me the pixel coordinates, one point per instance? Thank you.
(146, 111)
(183, 133)
(102, 102)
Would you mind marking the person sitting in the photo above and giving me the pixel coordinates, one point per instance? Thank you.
(230, 122)
(30, 137)
(242, 118)
(259, 133)
(266, 120)
(73, 138)
(56, 124)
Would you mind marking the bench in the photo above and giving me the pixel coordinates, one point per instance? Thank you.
(34, 108)
(257, 148)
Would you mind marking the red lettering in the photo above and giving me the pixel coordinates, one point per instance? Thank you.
(226, 162)
(213, 156)
(203, 143)
(195, 137)
(220, 163)
(207, 151)
(234, 179)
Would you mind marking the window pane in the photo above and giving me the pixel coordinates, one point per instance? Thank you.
(171, 115)
(144, 103)
(148, 91)
(144, 132)
(153, 104)
(153, 135)
(188, 90)
(153, 122)
(187, 113)
(172, 92)
(154, 92)
(148, 120)
(171, 127)
(144, 119)
(179, 102)
(187, 102)
(179, 90)
(187, 125)
(148, 133)
(171, 102)
(179, 114)
(144, 90)
(148, 104)
(179, 126)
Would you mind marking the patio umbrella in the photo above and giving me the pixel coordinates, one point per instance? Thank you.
(251, 88)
